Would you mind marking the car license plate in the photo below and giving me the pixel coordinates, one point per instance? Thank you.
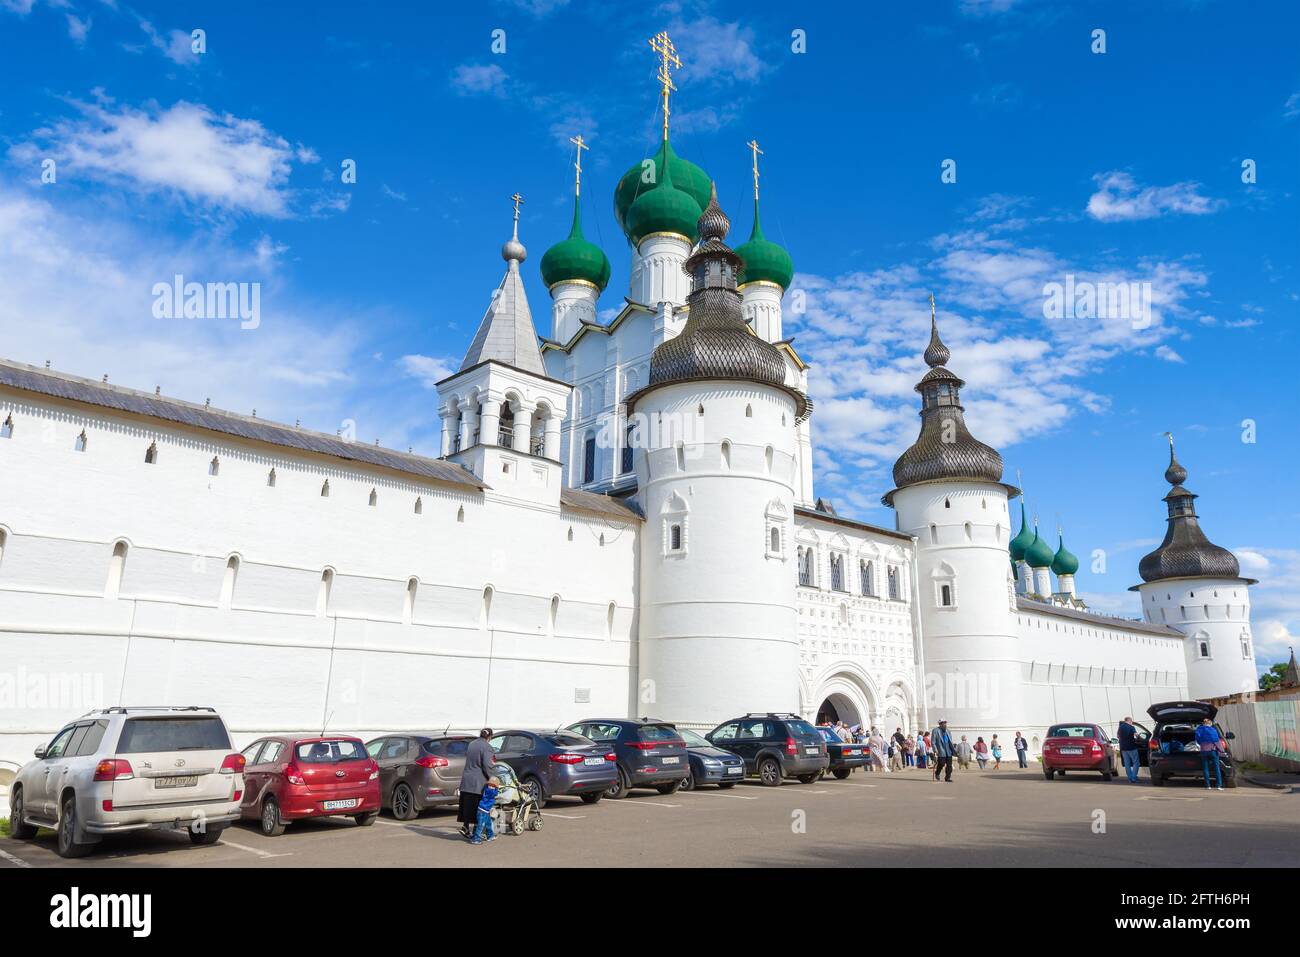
(187, 781)
(853, 752)
(594, 762)
(809, 750)
(672, 760)
(735, 770)
(340, 805)
(1072, 750)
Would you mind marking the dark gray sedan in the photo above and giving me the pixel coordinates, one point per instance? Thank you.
(554, 763)
(418, 771)
(710, 764)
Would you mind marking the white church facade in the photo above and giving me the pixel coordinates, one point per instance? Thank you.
(620, 521)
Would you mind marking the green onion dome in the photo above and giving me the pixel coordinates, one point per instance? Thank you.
(765, 261)
(1023, 540)
(688, 177)
(1039, 554)
(1064, 563)
(663, 208)
(575, 258)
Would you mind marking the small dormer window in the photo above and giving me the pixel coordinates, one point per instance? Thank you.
(214, 467)
(151, 454)
(325, 489)
(80, 444)
(419, 506)
(270, 479)
(374, 498)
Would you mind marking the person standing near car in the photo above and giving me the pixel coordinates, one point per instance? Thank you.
(1129, 751)
(479, 759)
(941, 742)
(1022, 750)
(1207, 736)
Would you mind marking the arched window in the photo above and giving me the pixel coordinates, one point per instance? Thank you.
(227, 598)
(947, 503)
(774, 541)
(945, 595)
(867, 571)
(485, 616)
(408, 606)
(325, 489)
(609, 620)
(892, 580)
(81, 441)
(570, 533)
(675, 538)
(7, 428)
(419, 506)
(837, 572)
(460, 514)
(270, 479)
(1203, 648)
(700, 410)
(934, 534)
(554, 615)
(806, 565)
(374, 498)
(116, 569)
(767, 458)
(602, 539)
(967, 529)
(627, 449)
(749, 411)
(681, 457)
(726, 454)
(151, 454)
(214, 467)
(323, 593)
(589, 458)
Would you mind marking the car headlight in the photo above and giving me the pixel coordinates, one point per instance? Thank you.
(711, 762)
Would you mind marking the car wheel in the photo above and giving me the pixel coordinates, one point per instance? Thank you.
(66, 843)
(769, 772)
(272, 826)
(668, 788)
(17, 829)
(536, 793)
(726, 784)
(593, 798)
(1049, 773)
(619, 788)
(1157, 780)
(688, 783)
(1230, 781)
(404, 803)
(841, 773)
(207, 836)
(365, 820)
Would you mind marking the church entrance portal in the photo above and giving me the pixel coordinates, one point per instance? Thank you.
(838, 707)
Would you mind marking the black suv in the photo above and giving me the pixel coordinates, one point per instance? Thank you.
(650, 753)
(774, 746)
(1173, 749)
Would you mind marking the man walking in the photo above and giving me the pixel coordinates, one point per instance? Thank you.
(479, 759)
(1129, 751)
(942, 746)
(1022, 750)
(963, 753)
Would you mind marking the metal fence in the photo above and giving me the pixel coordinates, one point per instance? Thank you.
(1265, 731)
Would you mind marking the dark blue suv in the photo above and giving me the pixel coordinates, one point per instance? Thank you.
(650, 753)
(774, 746)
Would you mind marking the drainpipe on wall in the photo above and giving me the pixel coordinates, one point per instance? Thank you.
(920, 639)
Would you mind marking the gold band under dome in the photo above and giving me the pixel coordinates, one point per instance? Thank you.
(760, 282)
(575, 282)
(685, 239)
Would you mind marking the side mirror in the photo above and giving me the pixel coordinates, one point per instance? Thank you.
(1114, 740)
(1229, 736)
(40, 751)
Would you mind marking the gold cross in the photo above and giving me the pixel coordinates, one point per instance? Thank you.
(577, 163)
(753, 148)
(518, 201)
(663, 45)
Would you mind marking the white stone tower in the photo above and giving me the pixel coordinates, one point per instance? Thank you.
(951, 498)
(717, 423)
(1196, 586)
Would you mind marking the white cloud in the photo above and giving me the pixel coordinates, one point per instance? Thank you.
(1119, 199)
(78, 29)
(1168, 354)
(477, 79)
(175, 45)
(187, 151)
(713, 50)
(430, 370)
(1292, 107)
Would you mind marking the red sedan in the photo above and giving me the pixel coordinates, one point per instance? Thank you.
(1079, 747)
(288, 779)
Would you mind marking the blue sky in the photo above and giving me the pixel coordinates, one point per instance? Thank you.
(1116, 166)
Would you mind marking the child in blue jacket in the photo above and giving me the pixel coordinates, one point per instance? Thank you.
(485, 805)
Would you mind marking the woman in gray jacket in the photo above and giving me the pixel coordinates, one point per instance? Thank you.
(479, 759)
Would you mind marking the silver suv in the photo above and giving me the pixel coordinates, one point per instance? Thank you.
(129, 769)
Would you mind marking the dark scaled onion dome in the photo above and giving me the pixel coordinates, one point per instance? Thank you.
(1022, 540)
(662, 208)
(765, 261)
(716, 343)
(575, 258)
(945, 449)
(1185, 552)
(1065, 563)
(1039, 554)
(684, 173)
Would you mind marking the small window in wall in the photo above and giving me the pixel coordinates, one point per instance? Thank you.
(675, 538)
(945, 596)
(589, 458)
(726, 454)
(419, 506)
(460, 514)
(554, 614)
(1203, 649)
(749, 411)
(570, 533)
(1245, 647)
(116, 569)
(323, 593)
(602, 539)
(700, 410)
(947, 503)
(627, 450)
(837, 572)
(967, 529)
(774, 542)
(681, 457)
(270, 479)
(609, 620)
(214, 467)
(767, 458)
(867, 572)
(79, 445)
(485, 615)
(807, 561)
(408, 606)
(374, 498)
(892, 579)
(325, 489)
(934, 534)
(7, 428)
(151, 454)
(228, 583)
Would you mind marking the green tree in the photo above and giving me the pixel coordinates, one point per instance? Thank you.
(1272, 678)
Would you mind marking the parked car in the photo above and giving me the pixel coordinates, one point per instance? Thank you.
(1173, 751)
(774, 746)
(555, 763)
(1079, 746)
(844, 756)
(128, 769)
(709, 764)
(290, 778)
(418, 771)
(648, 753)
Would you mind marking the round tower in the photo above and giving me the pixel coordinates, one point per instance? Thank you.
(717, 629)
(951, 498)
(1195, 586)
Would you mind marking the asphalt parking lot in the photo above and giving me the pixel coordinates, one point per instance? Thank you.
(1004, 818)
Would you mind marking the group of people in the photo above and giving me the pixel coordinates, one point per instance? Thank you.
(931, 749)
(1209, 742)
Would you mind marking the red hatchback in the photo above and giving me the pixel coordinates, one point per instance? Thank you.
(289, 779)
(1078, 747)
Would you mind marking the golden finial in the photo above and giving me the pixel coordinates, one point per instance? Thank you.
(581, 144)
(663, 45)
(932, 316)
(753, 148)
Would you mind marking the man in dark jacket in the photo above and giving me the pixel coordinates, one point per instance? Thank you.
(479, 759)
(1128, 749)
(942, 745)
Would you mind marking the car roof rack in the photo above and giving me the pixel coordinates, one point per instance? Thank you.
(121, 709)
(772, 714)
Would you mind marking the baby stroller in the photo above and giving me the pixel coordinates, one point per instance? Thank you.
(516, 808)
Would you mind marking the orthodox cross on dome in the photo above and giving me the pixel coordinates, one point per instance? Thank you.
(662, 44)
(581, 145)
(753, 148)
